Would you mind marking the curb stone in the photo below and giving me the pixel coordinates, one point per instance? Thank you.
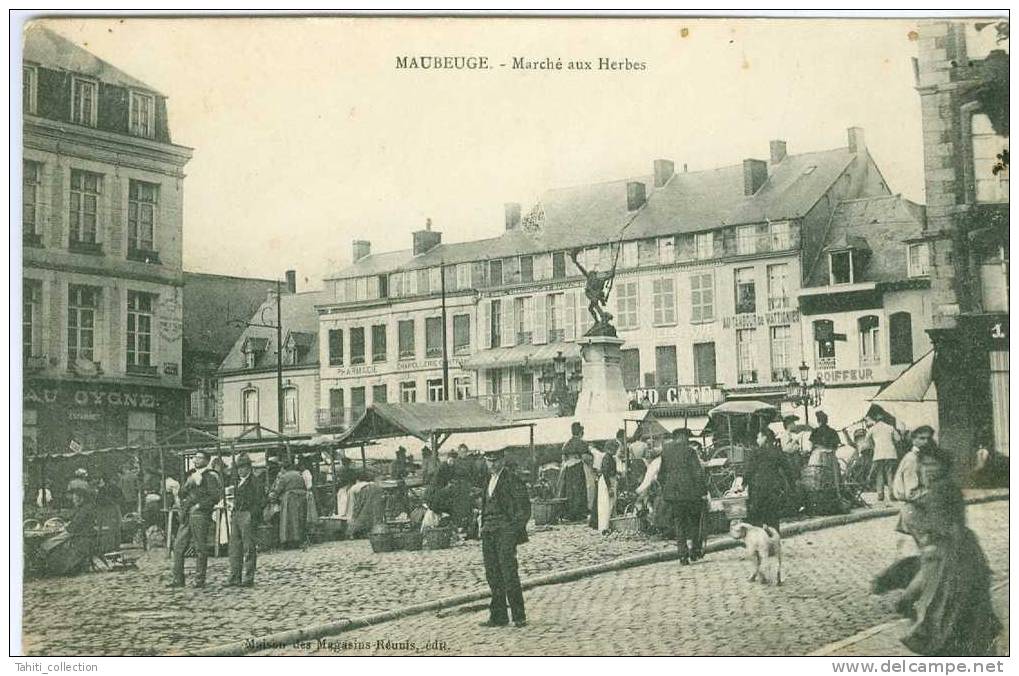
(286, 638)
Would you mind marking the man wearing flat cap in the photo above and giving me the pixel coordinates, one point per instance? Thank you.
(505, 510)
(249, 499)
(683, 487)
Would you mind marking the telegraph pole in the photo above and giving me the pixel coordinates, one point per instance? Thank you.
(445, 349)
(279, 357)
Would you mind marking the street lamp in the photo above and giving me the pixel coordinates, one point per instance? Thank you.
(805, 393)
(559, 387)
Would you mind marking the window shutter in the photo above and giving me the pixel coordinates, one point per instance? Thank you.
(540, 332)
(486, 324)
(900, 332)
(570, 314)
(509, 329)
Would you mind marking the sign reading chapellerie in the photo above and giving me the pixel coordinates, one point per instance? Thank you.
(401, 366)
(680, 395)
(752, 321)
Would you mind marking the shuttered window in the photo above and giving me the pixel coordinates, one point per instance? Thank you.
(900, 330)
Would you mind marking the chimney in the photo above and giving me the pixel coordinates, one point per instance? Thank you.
(777, 151)
(664, 169)
(291, 281)
(636, 195)
(362, 248)
(857, 143)
(425, 240)
(512, 215)
(755, 173)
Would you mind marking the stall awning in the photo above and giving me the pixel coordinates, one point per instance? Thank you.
(424, 419)
(915, 384)
(519, 355)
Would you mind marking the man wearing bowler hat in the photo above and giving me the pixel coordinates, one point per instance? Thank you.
(505, 510)
(199, 494)
(249, 499)
(684, 486)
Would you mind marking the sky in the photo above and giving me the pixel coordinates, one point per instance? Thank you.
(306, 136)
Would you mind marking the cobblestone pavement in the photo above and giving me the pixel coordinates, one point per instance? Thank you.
(707, 608)
(132, 613)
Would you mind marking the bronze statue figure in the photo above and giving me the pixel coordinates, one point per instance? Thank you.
(597, 291)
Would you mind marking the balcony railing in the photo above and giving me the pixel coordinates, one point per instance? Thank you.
(826, 363)
(332, 418)
(146, 370)
(514, 402)
(747, 377)
(781, 375)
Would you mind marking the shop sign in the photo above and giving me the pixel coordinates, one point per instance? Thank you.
(752, 321)
(367, 370)
(847, 375)
(680, 395)
(90, 397)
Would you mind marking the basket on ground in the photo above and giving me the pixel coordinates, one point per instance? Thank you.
(628, 522)
(410, 540)
(547, 511)
(383, 541)
(437, 538)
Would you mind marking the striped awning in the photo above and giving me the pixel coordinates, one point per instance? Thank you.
(519, 355)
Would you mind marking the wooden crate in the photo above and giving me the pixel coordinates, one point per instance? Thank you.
(547, 511)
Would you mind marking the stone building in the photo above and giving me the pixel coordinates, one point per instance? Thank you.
(962, 77)
(102, 192)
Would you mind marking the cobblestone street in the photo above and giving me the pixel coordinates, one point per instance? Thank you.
(708, 608)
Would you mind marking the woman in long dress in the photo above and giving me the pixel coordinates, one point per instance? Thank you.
(607, 484)
(68, 551)
(949, 597)
(768, 480)
(290, 492)
(572, 484)
(108, 517)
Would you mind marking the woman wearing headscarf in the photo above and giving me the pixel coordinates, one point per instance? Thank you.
(949, 598)
(607, 484)
(571, 485)
(290, 492)
(68, 551)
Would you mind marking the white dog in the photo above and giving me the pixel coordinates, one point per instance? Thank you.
(762, 545)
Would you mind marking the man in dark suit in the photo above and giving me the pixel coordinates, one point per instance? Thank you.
(505, 510)
(684, 486)
(249, 500)
(199, 494)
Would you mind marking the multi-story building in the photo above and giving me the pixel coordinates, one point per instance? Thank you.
(101, 231)
(962, 74)
(216, 308)
(248, 385)
(708, 266)
(865, 303)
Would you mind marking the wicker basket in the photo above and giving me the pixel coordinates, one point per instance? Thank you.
(382, 542)
(410, 540)
(437, 538)
(332, 528)
(735, 507)
(715, 523)
(547, 510)
(628, 522)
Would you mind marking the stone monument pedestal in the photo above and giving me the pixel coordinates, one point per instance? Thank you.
(601, 390)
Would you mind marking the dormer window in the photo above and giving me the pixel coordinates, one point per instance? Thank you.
(296, 347)
(84, 101)
(253, 349)
(143, 115)
(919, 259)
(841, 267)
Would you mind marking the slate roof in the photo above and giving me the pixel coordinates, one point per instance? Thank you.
(210, 301)
(885, 223)
(48, 49)
(597, 213)
(299, 315)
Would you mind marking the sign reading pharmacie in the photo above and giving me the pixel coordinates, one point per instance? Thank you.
(400, 367)
(751, 320)
(678, 395)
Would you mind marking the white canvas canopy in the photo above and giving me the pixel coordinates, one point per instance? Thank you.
(912, 397)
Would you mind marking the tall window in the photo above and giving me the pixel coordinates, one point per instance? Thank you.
(82, 305)
(31, 178)
(335, 404)
(336, 347)
(780, 354)
(919, 259)
(746, 295)
(379, 343)
(781, 237)
(463, 276)
(631, 368)
(249, 406)
(357, 401)
(663, 293)
(558, 265)
(630, 256)
(841, 267)
(408, 392)
(143, 115)
(523, 311)
(29, 89)
(290, 407)
(526, 268)
(666, 367)
(702, 297)
(900, 338)
(434, 389)
(405, 338)
(990, 186)
(463, 387)
(824, 338)
(433, 337)
(626, 305)
(84, 206)
(746, 355)
(31, 314)
(704, 364)
(84, 101)
(380, 394)
(495, 323)
(139, 330)
(554, 318)
(745, 239)
(666, 250)
(704, 245)
(778, 286)
(461, 334)
(870, 342)
(141, 216)
(495, 273)
(357, 347)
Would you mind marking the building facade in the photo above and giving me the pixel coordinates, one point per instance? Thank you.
(708, 269)
(962, 73)
(102, 197)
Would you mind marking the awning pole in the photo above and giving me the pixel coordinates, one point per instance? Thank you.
(534, 455)
(364, 460)
(336, 502)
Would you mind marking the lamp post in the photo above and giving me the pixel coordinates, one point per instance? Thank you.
(804, 392)
(559, 385)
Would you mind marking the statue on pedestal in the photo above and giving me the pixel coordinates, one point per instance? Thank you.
(597, 291)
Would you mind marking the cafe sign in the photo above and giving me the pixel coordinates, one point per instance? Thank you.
(680, 395)
(750, 320)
